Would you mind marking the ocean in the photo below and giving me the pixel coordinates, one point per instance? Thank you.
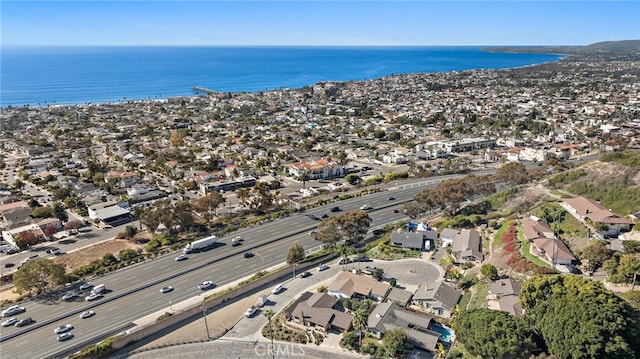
(42, 76)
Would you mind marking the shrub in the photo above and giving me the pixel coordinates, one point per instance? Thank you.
(164, 316)
(127, 255)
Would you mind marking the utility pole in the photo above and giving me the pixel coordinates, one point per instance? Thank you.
(204, 315)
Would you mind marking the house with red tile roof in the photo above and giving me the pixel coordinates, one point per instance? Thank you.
(321, 168)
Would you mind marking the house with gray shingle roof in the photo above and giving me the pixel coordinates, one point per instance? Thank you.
(319, 311)
(388, 316)
(408, 240)
(399, 296)
(421, 239)
(441, 299)
(506, 292)
(447, 235)
(466, 246)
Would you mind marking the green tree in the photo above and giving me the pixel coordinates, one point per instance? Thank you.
(594, 255)
(59, 212)
(295, 254)
(130, 232)
(61, 193)
(631, 246)
(262, 198)
(150, 219)
(377, 274)
(579, 318)
(489, 271)
(491, 333)
(42, 212)
(352, 179)
(304, 177)
(513, 173)
(394, 341)
(379, 134)
(344, 251)
(209, 204)
(329, 231)
(127, 254)
(354, 225)
(181, 216)
(359, 322)
(38, 274)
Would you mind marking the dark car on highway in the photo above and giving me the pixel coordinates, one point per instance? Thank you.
(23, 322)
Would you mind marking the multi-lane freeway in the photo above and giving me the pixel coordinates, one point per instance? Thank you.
(135, 292)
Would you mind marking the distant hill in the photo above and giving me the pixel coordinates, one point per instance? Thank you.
(605, 47)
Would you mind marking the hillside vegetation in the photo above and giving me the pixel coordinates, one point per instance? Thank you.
(614, 181)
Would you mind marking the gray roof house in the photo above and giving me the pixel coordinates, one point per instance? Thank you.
(408, 240)
(506, 293)
(466, 246)
(441, 299)
(447, 235)
(400, 296)
(320, 311)
(388, 316)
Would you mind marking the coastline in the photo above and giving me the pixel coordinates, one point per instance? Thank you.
(308, 66)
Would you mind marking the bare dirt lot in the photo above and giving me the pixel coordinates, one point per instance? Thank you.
(77, 259)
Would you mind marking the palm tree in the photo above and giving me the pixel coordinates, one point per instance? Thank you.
(441, 352)
(344, 251)
(269, 314)
(304, 177)
(360, 322)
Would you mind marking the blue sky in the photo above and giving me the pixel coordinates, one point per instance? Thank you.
(303, 22)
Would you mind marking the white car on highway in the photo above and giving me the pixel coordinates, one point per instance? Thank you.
(205, 285)
(69, 296)
(13, 310)
(9, 322)
(87, 314)
(92, 296)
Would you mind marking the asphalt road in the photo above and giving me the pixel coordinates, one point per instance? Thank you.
(135, 292)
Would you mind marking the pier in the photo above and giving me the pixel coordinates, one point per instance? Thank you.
(199, 89)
